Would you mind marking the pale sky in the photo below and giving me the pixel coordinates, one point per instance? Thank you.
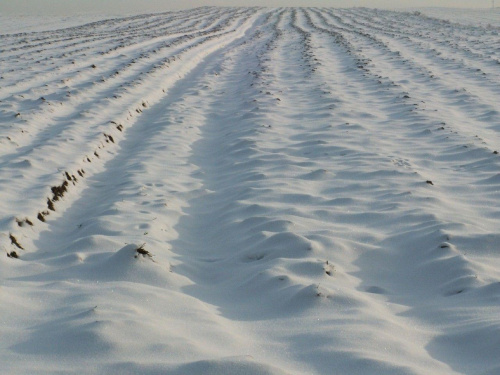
(69, 7)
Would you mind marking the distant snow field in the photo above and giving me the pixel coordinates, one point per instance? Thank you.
(472, 17)
(251, 191)
(26, 24)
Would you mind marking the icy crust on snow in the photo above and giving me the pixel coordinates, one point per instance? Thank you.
(251, 191)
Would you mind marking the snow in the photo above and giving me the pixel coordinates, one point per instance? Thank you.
(15, 24)
(250, 191)
(472, 17)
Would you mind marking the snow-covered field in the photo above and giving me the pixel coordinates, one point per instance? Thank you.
(473, 17)
(251, 191)
(27, 23)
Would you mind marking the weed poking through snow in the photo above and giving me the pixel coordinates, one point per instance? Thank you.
(141, 251)
(25, 221)
(50, 205)
(12, 254)
(13, 240)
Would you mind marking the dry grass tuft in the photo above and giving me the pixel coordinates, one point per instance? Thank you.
(13, 240)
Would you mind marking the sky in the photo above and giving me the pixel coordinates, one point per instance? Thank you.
(70, 7)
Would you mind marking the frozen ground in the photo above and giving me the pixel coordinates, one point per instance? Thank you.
(251, 191)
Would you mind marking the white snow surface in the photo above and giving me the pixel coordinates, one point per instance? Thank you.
(17, 24)
(251, 191)
(486, 17)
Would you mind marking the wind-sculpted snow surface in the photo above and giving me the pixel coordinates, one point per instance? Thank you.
(251, 191)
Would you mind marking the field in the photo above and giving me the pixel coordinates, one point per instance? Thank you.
(251, 191)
